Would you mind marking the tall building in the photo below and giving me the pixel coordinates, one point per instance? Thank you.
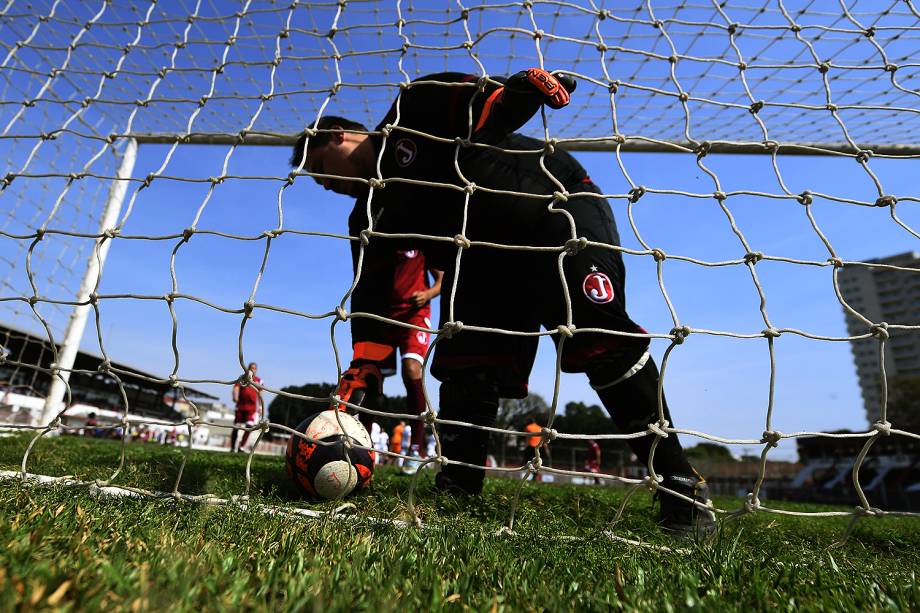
(883, 295)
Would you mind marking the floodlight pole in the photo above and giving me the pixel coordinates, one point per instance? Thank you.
(70, 345)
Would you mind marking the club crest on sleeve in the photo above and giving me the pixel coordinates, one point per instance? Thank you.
(405, 151)
(598, 287)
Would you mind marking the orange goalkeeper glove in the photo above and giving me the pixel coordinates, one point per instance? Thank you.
(555, 88)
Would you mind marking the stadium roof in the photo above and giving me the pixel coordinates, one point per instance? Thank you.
(25, 359)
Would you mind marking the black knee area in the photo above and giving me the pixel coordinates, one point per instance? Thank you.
(470, 398)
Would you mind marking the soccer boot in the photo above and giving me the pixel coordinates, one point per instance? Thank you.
(680, 517)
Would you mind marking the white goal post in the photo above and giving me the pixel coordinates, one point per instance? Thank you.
(87, 85)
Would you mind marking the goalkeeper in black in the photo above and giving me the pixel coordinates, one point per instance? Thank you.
(451, 166)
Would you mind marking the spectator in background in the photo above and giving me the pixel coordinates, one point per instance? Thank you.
(533, 442)
(382, 458)
(396, 440)
(248, 403)
(89, 428)
(593, 461)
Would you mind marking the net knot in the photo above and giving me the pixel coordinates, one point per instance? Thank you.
(682, 96)
(863, 156)
(719, 195)
(386, 130)
(601, 47)
(173, 380)
(560, 196)
(93, 299)
(618, 139)
(469, 188)
(742, 65)
(837, 262)
(104, 366)
(652, 482)
(636, 193)
(549, 147)
(187, 234)
(549, 434)
(341, 314)
(805, 198)
(869, 32)
(659, 428)
(752, 257)
(882, 427)
(887, 200)
(679, 335)
(365, 237)
(248, 307)
(659, 255)
(613, 87)
(823, 67)
(702, 149)
(566, 331)
(771, 333)
(771, 438)
(271, 233)
(732, 28)
(111, 232)
(574, 245)
(756, 107)
(868, 512)
(880, 331)
(451, 328)
(751, 503)
(8, 179)
(430, 418)
(831, 107)
(462, 241)
(891, 67)
(375, 183)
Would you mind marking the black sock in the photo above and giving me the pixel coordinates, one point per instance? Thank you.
(475, 401)
(633, 404)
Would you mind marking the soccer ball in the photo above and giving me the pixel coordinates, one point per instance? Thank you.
(327, 468)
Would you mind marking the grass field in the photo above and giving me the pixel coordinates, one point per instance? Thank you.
(65, 548)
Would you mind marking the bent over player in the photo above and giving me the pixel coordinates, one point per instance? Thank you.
(451, 165)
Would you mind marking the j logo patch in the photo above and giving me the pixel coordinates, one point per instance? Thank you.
(405, 151)
(598, 287)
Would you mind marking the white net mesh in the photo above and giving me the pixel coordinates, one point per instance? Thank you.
(693, 78)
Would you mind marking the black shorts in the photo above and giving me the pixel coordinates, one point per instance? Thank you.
(521, 291)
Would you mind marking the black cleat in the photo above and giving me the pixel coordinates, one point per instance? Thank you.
(681, 518)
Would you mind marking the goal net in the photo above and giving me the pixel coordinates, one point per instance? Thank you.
(111, 109)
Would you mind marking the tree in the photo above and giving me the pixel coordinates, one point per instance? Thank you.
(580, 418)
(904, 403)
(291, 411)
(514, 412)
(710, 452)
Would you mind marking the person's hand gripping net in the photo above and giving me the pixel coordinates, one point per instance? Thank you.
(555, 88)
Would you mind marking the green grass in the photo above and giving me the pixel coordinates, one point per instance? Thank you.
(63, 547)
